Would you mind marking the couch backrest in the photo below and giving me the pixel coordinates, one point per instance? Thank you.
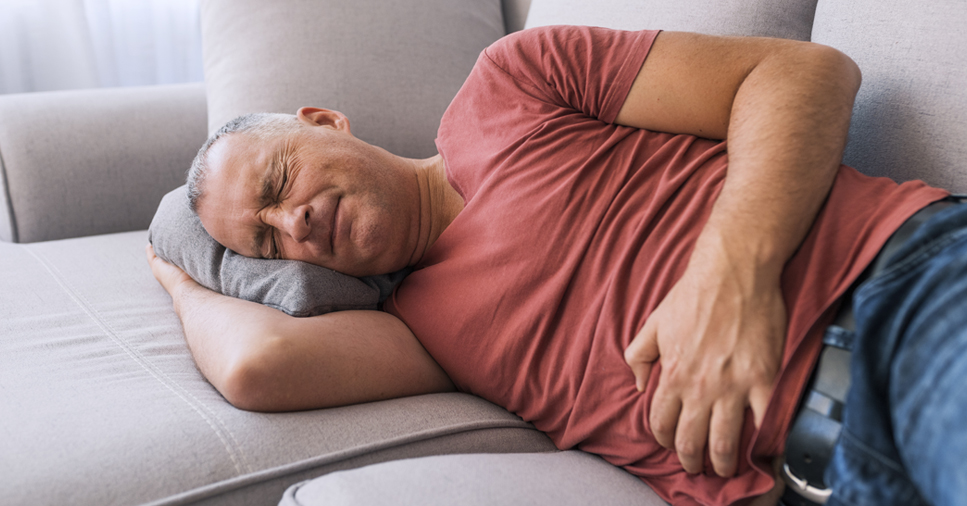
(910, 118)
(791, 19)
(515, 14)
(391, 67)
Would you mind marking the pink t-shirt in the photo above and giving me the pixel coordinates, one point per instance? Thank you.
(575, 229)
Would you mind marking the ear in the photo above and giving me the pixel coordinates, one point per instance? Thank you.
(315, 116)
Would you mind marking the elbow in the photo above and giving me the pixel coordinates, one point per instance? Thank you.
(240, 387)
(247, 381)
(837, 68)
(847, 68)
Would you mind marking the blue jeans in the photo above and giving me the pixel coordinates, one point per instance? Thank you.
(904, 437)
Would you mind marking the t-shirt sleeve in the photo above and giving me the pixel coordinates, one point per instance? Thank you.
(528, 82)
(586, 69)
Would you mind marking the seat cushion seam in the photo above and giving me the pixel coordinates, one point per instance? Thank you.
(235, 453)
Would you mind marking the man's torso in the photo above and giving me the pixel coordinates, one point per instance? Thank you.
(574, 229)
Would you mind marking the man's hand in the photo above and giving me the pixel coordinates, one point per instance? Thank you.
(719, 334)
(167, 274)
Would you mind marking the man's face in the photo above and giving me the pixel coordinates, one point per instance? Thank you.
(316, 194)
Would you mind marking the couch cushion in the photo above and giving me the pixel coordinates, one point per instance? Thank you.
(391, 67)
(910, 118)
(571, 478)
(102, 403)
(790, 19)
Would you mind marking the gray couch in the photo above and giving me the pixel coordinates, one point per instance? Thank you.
(100, 402)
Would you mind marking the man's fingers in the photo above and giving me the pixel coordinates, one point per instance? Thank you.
(642, 353)
(759, 401)
(169, 275)
(690, 437)
(725, 429)
(663, 418)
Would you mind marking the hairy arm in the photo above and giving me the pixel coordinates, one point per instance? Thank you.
(261, 359)
(784, 108)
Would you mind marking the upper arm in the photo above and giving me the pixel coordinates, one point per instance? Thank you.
(689, 81)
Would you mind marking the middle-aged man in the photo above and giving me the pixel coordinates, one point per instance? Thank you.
(560, 238)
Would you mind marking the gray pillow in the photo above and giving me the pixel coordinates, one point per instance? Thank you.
(297, 288)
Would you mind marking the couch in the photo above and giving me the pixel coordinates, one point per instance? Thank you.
(100, 402)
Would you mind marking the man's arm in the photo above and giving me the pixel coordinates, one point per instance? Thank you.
(261, 359)
(784, 108)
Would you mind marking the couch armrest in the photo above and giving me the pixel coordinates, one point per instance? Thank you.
(87, 162)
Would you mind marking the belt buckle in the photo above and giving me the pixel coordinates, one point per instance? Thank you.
(803, 488)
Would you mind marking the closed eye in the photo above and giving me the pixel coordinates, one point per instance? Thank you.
(273, 245)
(283, 180)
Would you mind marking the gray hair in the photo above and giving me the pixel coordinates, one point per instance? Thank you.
(261, 126)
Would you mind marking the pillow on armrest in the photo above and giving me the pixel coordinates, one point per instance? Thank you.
(297, 288)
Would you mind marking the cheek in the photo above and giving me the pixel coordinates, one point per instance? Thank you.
(374, 229)
(382, 231)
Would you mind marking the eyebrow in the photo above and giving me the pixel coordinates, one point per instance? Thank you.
(267, 185)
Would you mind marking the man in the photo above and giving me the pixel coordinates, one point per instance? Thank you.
(560, 238)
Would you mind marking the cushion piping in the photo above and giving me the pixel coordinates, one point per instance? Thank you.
(231, 484)
(7, 202)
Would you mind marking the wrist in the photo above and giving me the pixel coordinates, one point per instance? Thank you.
(181, 289)
(746, 256)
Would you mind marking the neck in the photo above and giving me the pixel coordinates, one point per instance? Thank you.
(439, 204)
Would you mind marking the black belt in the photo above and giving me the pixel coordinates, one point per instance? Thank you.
(819, 417)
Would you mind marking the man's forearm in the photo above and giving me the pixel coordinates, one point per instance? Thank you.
(220, 330)
(264, 360)
(786, 136)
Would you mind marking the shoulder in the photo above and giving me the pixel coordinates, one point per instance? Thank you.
(534, 43)
(564, 56)
(570, 40)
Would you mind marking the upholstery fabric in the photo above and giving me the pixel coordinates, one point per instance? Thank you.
(910, 117)
(89, 162)
(102, 403)
(391, 67)
(297, 288)
(790, 19)
(515, 14)
(569, 478)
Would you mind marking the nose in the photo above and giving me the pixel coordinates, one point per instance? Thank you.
(293, 222)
